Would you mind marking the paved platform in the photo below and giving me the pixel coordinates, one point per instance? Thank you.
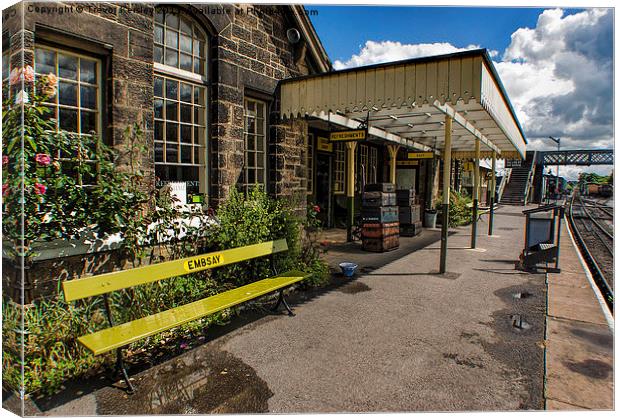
(579, 339)
(399, 337)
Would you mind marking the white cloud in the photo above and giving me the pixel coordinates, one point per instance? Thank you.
(559, 76)
(386, 51)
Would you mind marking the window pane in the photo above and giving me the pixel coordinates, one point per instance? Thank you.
(199, 48)
(172, 89)
(186, 62)
(158, 88)
(45, 61)
(158, 106)
(158, 54)
(88, 71)
(251, 176)
(186, 92)
(159, 16)
(159, 151)
(67, 67)
(260, 142)
(172, 57)
(186, 43)
(172, 133)
(88, 97)
(198, 155)
(186, 113)
(171, 111)
(67, 93)
(199, 116)
(159, 130)
(199, 136)
(172, 154)
(186, 26)
(199, 66)
(251, 143)
(186, 134)
(186, 154)
(199, 95)
(68, 120)
(88, 122)
(172, 20)
(159, 34)
(172, 39)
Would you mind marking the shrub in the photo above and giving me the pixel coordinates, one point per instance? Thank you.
(459, 213)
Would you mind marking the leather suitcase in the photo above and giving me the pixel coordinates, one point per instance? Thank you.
(376, 199)
(380, 245)
(379, 230)
(409, 214)
(383, 214)
(380, 187)
(410, 230)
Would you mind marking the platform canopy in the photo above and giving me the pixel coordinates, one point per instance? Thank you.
(406, 103)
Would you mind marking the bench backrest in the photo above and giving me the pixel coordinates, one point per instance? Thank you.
(117, 280)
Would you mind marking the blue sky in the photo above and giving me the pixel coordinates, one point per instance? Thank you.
(343, 29)
(556, 64)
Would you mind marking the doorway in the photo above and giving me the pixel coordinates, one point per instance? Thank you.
(324, 188)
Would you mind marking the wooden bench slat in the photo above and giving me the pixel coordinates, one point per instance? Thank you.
(117, 280)
(121, 335)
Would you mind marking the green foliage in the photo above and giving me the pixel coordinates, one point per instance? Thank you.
(459, 213)
(595, 178)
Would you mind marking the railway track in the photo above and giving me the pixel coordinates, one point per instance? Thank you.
(592, 226)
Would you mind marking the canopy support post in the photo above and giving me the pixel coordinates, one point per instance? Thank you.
(492, 198)
(475, 194)
(445, 207)
(393, 150)
(350, 188)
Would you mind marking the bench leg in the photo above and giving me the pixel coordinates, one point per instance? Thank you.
(282, 301)
(120, 365)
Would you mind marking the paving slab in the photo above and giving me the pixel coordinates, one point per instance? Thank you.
(398, 337)
(579, 340)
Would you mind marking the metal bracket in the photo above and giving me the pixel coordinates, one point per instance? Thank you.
(120, 365)
(282, 301)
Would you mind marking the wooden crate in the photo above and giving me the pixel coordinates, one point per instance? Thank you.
(410, 230)
(379, 230)
(409, 214)
(380, 187)
(382, 214)
(376, 199)
(380, 245)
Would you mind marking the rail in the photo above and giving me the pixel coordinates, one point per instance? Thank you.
(503, 183)
(593, 266)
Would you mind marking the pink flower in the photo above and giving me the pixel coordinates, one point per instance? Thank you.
(316, 208)
(39, 188)
(5, 189)
(184, 346)
(5, 159)
(43, 159)
(15, 77)
(51, 79)
(28, 73)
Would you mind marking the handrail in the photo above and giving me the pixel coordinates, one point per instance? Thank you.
(503, 183)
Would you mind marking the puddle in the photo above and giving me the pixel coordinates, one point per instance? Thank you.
(595, 369)
(204, 381)
(603, 340)
(463, 361)
(354, 287)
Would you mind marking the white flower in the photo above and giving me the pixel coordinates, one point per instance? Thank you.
(22, 97)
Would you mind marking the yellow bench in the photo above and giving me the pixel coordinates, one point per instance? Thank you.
(121, 335)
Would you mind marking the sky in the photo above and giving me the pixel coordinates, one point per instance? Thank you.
(556, 64)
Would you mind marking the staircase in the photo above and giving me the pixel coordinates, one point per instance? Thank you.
(517, 187)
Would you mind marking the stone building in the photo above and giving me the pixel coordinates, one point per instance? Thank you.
(200, 78)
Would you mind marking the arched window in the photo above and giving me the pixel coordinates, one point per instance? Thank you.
(180, 97)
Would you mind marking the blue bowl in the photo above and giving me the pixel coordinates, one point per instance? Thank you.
(348, 269)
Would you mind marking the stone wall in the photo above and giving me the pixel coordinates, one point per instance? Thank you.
(249, 54)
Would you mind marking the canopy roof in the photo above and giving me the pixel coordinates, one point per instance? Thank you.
(405, 102)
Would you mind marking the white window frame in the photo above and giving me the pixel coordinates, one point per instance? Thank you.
(246, 185)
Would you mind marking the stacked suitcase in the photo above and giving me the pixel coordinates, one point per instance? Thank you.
(409, 213)
(380, 227)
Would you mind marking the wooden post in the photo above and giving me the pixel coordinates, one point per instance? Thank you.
(475, 194)
(393, 150)
(350, 188)
(492, 199)
(445, 207)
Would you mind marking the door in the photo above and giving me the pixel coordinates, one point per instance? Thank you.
(324, 187)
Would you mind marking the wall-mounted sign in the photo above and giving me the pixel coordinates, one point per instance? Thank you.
(408, 162)
(513, 163)
(468, 166)
(419, 155)
(356, 135)
(323, 144)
